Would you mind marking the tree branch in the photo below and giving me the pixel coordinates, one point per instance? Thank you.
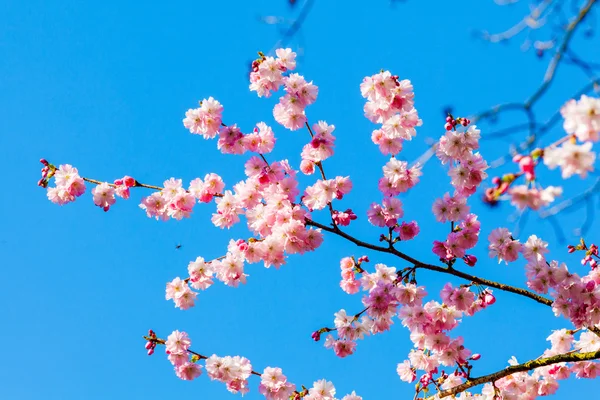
(529, 365)
(430, 267)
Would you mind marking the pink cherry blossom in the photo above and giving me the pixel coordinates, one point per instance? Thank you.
(104, 196)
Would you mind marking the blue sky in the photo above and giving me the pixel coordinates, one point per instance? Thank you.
(104, 86)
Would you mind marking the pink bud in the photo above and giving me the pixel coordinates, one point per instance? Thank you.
(118, 181)
(496, 180)
(464, 122)
(43, 161)
(41, 182)
(590, 286)
(517, 158)
(470, 260)
(476, 356)
(489, 299)
(448, 126)
(593, 263)
(150, 352)
(449, 119)
(128, 181)
(571, 248)
(316, 336)
(149, 345)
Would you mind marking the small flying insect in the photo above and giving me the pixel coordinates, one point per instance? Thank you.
(178, 246)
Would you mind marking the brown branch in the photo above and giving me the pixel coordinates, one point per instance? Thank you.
(430, 267)
(137, 184)
(529, 365)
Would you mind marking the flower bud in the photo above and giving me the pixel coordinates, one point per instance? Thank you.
(128, 181)
(316, 336)
(448, 126)
(475, 356)
(149, 345)
(150, 352)
(43, 161)
(489, 299)
(470, 260)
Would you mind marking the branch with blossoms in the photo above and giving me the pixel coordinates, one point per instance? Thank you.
(578, 114)
(280, 221)
(390, 292)
(235, 371)
(499, 378)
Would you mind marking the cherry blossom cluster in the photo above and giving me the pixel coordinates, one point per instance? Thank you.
(575, 297)
(544, 381)
(235, 371)
(320, 147)
(69, 185)
(323, 192)
(398, 177)
(467, 169)
(173, 201)
(267, 76)
(530, 195)
(462, 237)
(390, 102)
(207, 120)
(391, 293)
(582, 123)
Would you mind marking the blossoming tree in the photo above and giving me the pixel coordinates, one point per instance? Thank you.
(286, 220)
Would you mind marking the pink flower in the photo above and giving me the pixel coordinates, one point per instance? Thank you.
(274, 385)
(561, 341)
(408, 231)
(321, 390)
(205, 120)
(352, 396)
(188, 371)
(286, 58)
(503, 246)
(572, 159)
(201, 274)
(104, 196)
(582, 118)
(406, 372)
(178, 343)
(344, 348)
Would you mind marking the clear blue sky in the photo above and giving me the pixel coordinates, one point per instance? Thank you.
(104, 86)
